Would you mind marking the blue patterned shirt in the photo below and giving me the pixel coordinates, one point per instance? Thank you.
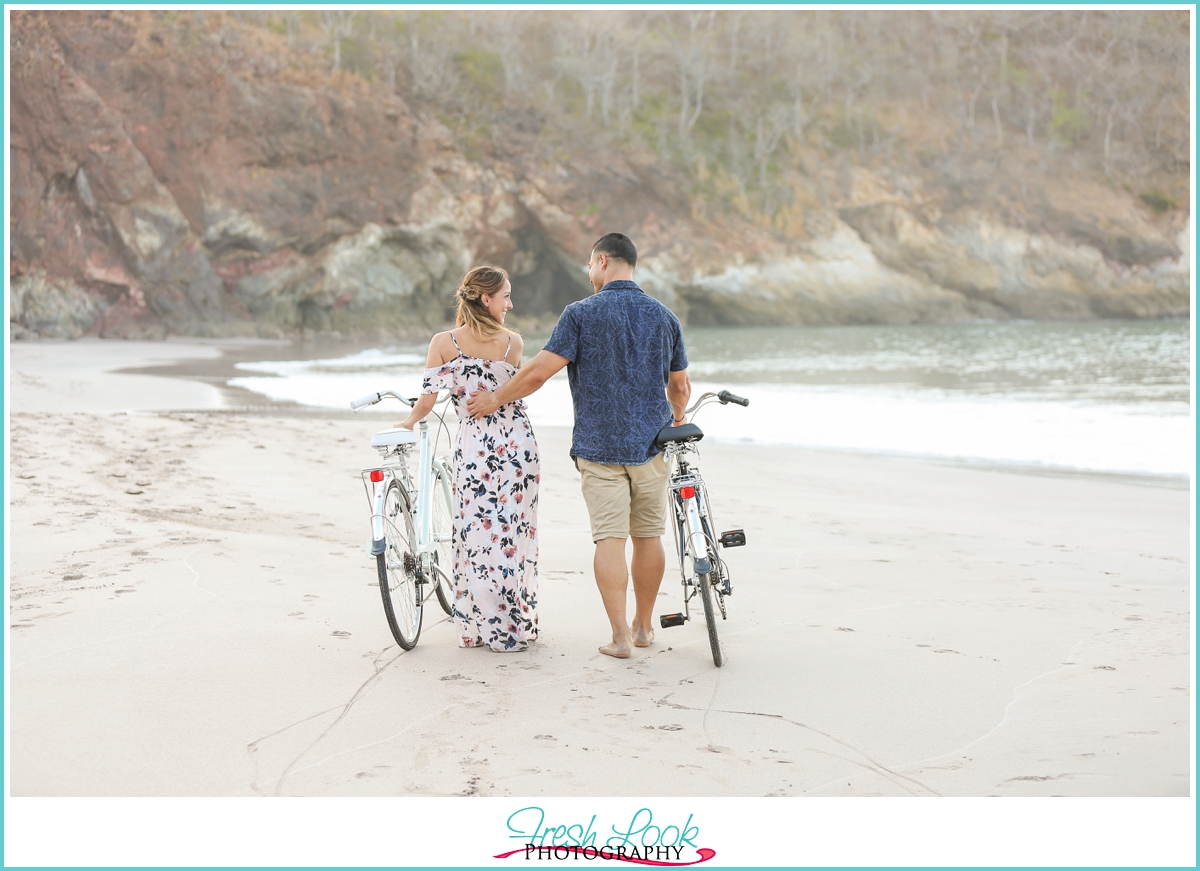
(622, 345)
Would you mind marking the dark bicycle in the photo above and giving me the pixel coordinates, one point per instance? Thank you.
(701, 568)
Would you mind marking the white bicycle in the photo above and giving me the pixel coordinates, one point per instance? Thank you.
(412, 532)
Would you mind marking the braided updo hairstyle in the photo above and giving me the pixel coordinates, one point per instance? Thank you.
(471, 312)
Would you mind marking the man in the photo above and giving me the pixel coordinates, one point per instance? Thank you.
(628, 373)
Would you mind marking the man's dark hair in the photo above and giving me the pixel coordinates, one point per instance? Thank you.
(617, 246)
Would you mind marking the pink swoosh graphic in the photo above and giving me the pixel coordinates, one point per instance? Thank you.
(705, 855)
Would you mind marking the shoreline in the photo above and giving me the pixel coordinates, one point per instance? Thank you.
(213, 371)
(282, 409)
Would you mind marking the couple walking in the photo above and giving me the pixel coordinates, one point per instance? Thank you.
(627, 369)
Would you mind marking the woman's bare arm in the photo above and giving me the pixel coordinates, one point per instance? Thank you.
(515, 352)
(436, 357)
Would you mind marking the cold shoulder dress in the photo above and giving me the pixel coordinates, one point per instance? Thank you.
(496, 475)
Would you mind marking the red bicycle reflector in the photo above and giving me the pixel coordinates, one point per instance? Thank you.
(377, 475)
(687, 492)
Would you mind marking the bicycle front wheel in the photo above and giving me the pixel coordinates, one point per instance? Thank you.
(710, 617)
(398, 567)
(442, 529)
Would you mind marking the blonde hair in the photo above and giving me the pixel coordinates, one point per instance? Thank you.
(480, 281)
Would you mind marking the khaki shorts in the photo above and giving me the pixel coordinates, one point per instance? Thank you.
(625, 500)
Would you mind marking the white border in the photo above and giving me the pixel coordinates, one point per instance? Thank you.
(356, 832)
(744, 831)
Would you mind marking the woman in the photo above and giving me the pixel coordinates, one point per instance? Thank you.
(496, 469)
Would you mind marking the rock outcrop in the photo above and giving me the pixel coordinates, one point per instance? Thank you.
(218, 191)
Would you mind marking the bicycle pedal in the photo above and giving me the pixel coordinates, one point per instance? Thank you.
(669, 620)
(733, 538)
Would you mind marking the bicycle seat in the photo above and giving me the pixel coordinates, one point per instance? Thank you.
(397, 436)
(689, 432)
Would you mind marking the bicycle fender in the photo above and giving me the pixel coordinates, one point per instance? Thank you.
(378, 527)
(696, 541)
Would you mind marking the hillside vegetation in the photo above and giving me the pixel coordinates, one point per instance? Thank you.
(748, 106)
(272, 171)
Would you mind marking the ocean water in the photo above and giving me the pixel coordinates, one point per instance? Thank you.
(1108, 396)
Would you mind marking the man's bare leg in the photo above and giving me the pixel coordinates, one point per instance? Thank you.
(612, 578)
(649, 562)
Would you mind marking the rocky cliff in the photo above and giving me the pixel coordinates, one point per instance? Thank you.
(197, 181)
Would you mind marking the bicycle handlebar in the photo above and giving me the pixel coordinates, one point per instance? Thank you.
(725, 397)
(372, 398)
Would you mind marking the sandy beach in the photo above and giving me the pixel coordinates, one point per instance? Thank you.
(194, 588)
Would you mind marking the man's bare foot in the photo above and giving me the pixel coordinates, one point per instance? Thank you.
(620, 651)
(642, 639)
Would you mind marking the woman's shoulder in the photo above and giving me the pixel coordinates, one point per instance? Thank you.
(441, 350)
(516, 349)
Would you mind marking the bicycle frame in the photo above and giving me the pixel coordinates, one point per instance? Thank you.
(427, 467)
(693, 539)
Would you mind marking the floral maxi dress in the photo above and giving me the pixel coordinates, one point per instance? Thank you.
(496, 475)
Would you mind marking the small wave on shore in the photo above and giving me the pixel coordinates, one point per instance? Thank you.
(1095, 397)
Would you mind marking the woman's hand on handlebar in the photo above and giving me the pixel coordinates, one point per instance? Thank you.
(420, 410)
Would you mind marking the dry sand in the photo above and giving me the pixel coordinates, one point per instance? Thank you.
(193, 613)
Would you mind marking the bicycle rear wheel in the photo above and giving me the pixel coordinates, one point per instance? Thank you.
(442, 529)
(710, 617)
(397, 567)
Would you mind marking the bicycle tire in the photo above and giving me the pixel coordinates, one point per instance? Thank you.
(714, 554)
(397, 570)
(710, 618)
(708, 581)
(442, 529)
